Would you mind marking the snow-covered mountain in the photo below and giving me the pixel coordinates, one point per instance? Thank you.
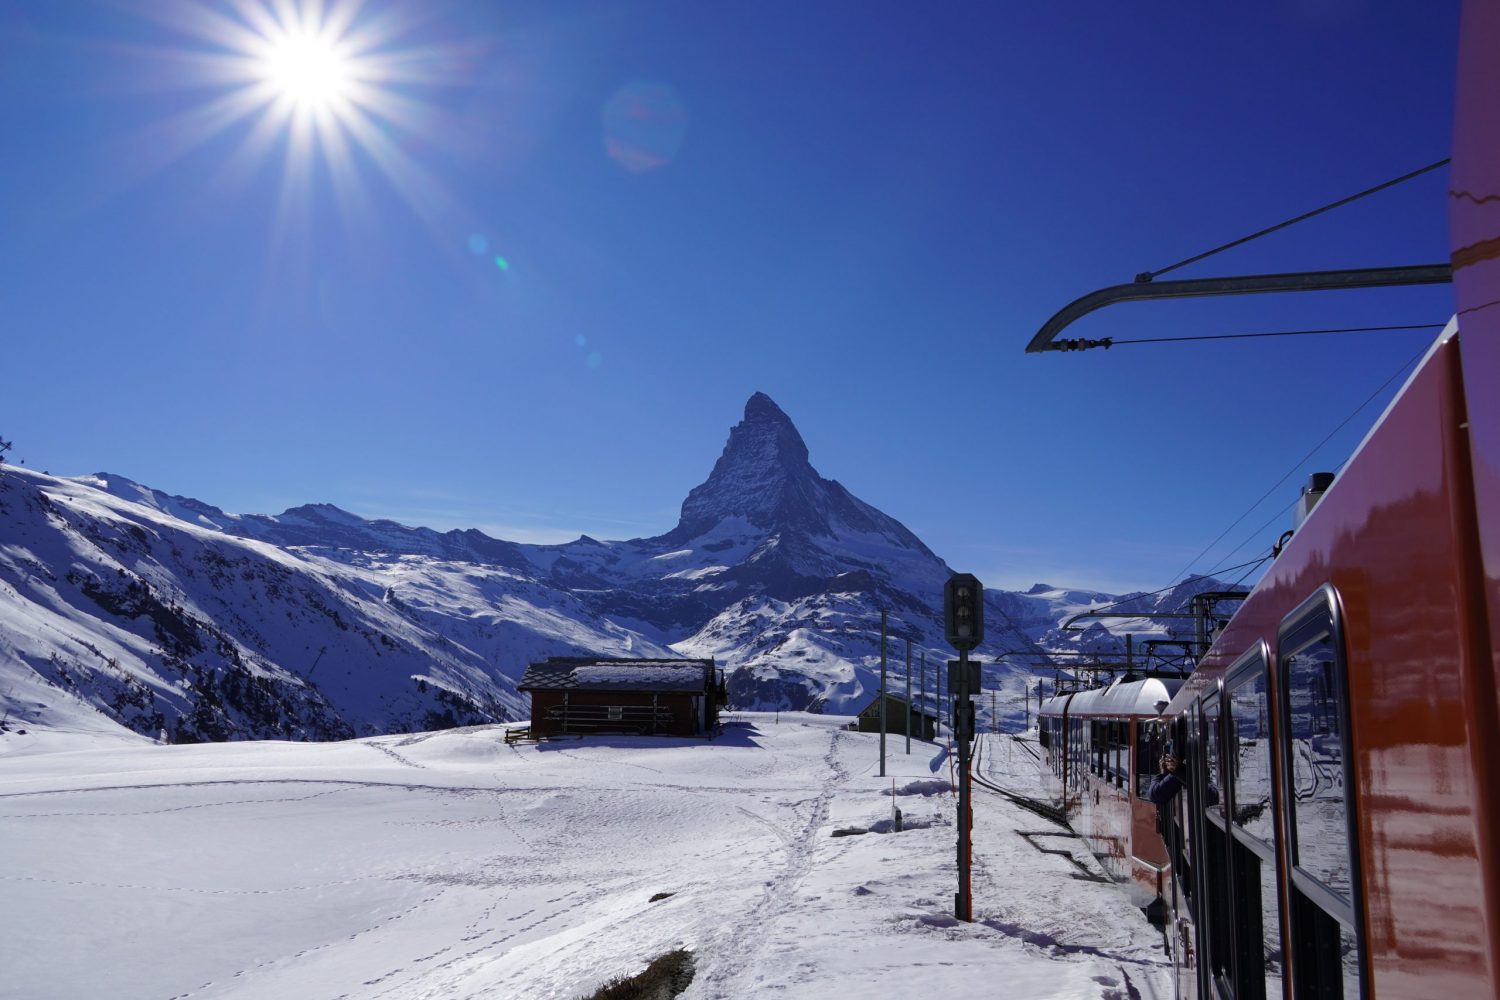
(166, 614)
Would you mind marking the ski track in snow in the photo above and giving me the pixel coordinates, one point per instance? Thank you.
(725, 963)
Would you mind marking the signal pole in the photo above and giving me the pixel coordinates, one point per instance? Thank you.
(882, 692)
(963, 618)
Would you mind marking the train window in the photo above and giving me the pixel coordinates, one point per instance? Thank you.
(1257, 893)
(1185, 821)
(1075, 752)
(1220, 926)
(1122, 752)
(1314, 743)
(1116, 741)
(1250, 747)
(1212, 772)
(1256, 926)
(1150, 739)
(1320, 814)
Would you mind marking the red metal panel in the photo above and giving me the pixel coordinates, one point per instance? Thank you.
(1474, 220)
(1387, 538)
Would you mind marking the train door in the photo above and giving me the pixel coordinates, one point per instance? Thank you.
(1148, 740)
(1181, 828)
(1254, 890)
(1216, 909)
(1325, 930)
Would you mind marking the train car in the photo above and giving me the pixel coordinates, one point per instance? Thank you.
(1338, 837)
(1101, 748)
(1347, 716)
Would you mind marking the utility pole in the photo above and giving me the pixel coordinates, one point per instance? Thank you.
(908, 697)
(924, 695)
(995, 719)
(882, 692)
(941, 701)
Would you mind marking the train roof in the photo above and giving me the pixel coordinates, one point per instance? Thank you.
(1122, 697)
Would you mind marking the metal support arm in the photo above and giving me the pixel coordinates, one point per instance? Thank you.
(1304, 281)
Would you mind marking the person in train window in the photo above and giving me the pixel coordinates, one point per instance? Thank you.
(1169, 781)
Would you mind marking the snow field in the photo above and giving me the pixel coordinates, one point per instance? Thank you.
(452, 865)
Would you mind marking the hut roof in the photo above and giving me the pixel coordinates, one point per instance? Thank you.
(610, 674)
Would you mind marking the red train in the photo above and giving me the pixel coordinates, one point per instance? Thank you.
(1100, 751)
(1347, 718)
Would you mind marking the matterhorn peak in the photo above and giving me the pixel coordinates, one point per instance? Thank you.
(763, 465)
(766, 433)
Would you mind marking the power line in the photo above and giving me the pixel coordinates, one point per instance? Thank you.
(1300, 462)
(1247, 572)
(1256, 534)
(1149, 275)
(1111, 342)
(1173, 586)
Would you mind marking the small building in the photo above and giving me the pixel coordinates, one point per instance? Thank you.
(897, 712)
(588, 694)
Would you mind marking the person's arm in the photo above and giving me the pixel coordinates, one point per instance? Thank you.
(1164, 788)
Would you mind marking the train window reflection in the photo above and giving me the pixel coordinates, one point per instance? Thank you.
(1150, 741)
(1212, 771)
(1319, 810)
(1250, 740)
(1349, 961)
(1270, 929)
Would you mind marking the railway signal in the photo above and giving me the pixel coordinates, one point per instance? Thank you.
(963, 618)
(963, 611)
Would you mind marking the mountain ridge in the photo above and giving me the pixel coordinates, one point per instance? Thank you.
(169, 615)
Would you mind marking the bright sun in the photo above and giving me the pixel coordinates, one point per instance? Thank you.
(308, 70)
(319, 82)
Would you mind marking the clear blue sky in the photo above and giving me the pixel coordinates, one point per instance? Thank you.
(864, 209)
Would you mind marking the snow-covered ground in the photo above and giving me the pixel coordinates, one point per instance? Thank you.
(453, 865)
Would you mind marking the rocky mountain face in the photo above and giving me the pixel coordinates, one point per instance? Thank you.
(124, 606)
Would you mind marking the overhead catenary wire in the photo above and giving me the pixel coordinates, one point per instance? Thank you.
(1253, 567)
(1112, 342)
(1257, 533)
(1153, 593)
(1150, 275)
(1300, 462)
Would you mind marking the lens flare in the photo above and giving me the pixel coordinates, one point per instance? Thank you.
(644, 125)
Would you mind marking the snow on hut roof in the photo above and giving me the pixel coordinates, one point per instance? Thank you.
(579, 674)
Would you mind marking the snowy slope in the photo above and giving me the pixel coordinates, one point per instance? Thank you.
(165, 625)
(451, 864)
(169, 615)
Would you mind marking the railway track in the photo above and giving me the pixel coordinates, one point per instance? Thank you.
(1045, 810)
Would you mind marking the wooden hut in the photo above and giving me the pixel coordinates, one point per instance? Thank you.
(897, 713)
(575, 694)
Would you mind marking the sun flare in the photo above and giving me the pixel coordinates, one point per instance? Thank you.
(337, 91)
(308, 70)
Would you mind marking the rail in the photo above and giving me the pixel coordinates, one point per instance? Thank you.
(1042, 809)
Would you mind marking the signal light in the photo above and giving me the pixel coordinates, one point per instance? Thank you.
(963, 611)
